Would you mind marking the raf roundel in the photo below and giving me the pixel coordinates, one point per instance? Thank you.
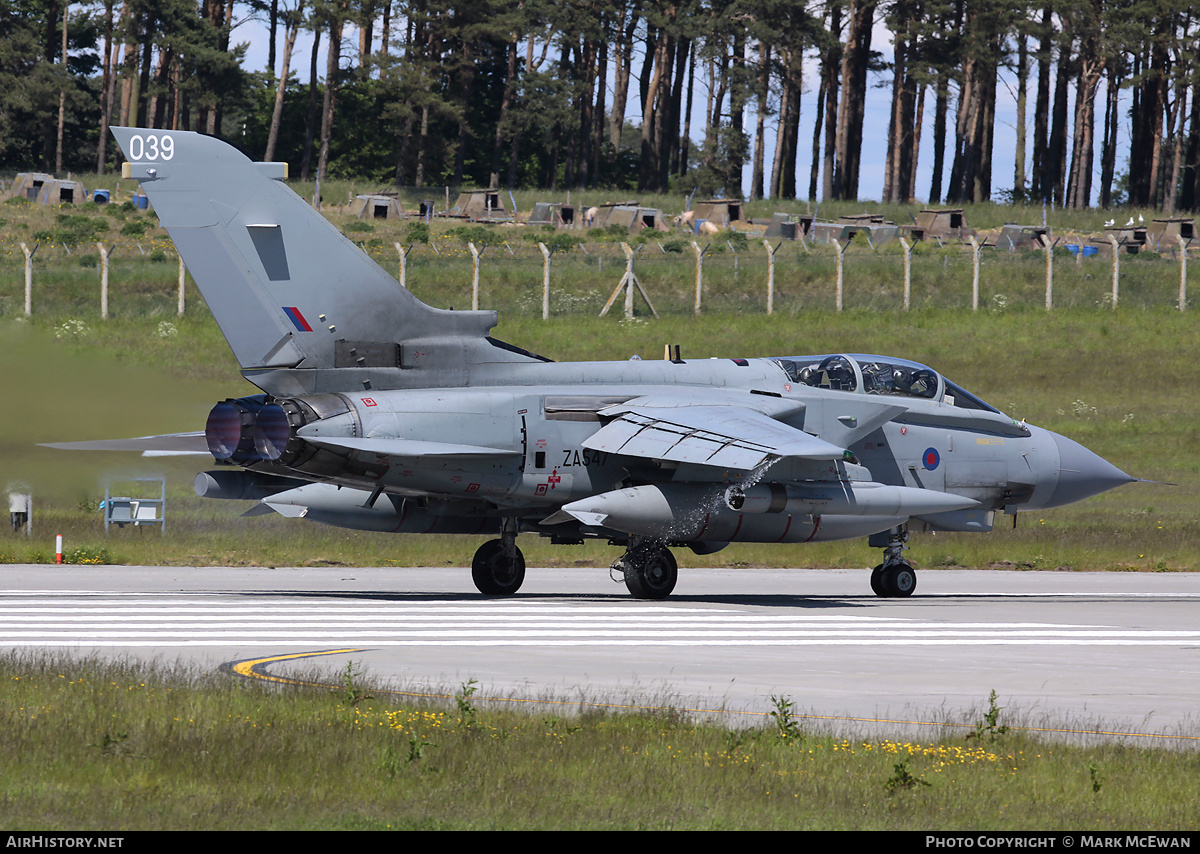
(930, 459)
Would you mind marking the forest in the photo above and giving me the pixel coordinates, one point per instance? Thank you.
(616, 93)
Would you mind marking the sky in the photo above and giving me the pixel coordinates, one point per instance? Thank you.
(874, 151)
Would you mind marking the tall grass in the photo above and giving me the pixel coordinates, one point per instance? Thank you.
(92, 745)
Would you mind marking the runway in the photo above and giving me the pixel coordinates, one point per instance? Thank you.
(1112, 651)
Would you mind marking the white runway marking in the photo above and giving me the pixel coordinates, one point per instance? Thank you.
(84, 619)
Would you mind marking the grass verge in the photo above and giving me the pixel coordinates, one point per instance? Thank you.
(95, 745)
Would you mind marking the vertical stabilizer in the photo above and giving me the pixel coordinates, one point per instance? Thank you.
(289, 291)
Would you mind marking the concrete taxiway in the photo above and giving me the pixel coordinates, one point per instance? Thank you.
(1118, 652)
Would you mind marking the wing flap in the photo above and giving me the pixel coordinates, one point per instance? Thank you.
(719, 436)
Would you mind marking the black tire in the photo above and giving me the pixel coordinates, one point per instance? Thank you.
(899, 581)
(877, 581)
(494, 572)
(650, 572)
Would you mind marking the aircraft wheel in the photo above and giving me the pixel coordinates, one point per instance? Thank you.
(650, 572)
(497, 572)
(898, 580)
(877, 581)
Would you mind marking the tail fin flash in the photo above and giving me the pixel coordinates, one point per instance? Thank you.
(293, 297)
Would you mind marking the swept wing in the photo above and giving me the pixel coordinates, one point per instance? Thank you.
(722, 436)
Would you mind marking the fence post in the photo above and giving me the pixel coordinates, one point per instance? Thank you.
(907, 272)
(104, 256)
(974, 273)
(474, 277)
(182, 279)
(1182, 272)
(1049, 276)
(1116, 265)
(841, 250)
(404, 253)
(29, 277)
(629, 274)
(771, 275)
(628, 282)
(546, 253)
(699, 272)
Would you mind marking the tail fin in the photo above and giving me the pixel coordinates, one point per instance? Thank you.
(294, 298)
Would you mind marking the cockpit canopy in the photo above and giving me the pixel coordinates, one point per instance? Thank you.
(884, 375)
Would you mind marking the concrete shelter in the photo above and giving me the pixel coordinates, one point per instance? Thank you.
(47, 190)
(631, 215)
(722, 213)
(480, 205)
(557, 214)
(377, 206)
(941, 223)
(1163, 234)
(1020, 237)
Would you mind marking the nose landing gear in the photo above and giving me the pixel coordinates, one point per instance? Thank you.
(498, 568)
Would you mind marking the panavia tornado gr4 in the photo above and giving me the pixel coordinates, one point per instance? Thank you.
(381, 413)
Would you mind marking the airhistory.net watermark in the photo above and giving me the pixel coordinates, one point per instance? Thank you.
(50, 840)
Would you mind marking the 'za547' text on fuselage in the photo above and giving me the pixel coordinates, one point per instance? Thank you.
(379, 412)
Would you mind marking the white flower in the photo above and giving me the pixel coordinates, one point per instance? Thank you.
(1082, 409)
(71, 329)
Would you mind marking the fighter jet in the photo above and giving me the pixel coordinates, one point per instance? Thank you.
(379, 412)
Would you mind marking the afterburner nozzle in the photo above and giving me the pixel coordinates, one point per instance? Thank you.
(223, 430)
(246, 429)
(262, 429)
(271, 432)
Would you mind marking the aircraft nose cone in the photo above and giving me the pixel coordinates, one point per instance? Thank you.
(1083, 474)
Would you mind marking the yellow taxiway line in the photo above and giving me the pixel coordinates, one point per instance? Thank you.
(255, 668)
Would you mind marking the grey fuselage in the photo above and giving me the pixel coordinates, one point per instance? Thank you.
(544, 412)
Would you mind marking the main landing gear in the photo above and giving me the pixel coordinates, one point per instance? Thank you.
(498, 567)
(894, 577)
(649, 568)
